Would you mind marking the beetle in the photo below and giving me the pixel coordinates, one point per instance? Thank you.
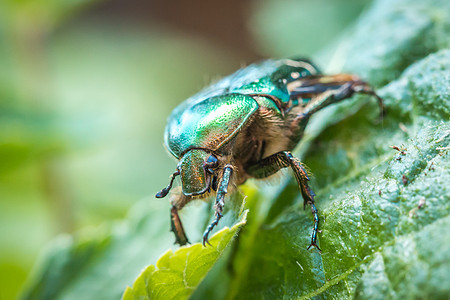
(245, 126)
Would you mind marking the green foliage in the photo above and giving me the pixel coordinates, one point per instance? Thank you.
(300, 21)
(369, 194)
(384, 213)
(392, 35)
(81, 124)
(178, 273)
(75, 267)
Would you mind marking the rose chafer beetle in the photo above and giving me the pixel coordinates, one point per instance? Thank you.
(245, 126)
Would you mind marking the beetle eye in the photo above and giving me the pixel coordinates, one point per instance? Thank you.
(211, 162)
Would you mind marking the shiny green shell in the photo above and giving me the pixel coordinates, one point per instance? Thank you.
(215, 115)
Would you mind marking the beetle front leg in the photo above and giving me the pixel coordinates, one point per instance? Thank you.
(221, 192)
(177, 227)
(272, 164)
(178, 201)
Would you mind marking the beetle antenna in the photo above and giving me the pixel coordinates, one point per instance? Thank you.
(166, 190)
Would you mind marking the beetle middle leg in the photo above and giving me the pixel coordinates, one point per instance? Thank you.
(221, 192)
(272, 164)
(178, 201)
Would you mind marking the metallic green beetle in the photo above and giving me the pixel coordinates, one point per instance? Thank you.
(245, 126)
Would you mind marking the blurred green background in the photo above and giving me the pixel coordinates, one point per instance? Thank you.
(85, 90)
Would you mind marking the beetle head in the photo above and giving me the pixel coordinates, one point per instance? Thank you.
(196, 168)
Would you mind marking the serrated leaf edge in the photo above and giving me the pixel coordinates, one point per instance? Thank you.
(151, 269)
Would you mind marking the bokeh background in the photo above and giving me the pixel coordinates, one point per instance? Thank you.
(85, 90)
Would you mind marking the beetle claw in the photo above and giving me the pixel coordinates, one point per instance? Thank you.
(315, 245)
(210, 228)
(205, 239)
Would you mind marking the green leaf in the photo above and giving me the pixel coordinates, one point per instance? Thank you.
(374, 223)
(101, 265)
(413, 266)
(383, 214)
(74, 267)
(178, 273)
(329, 18)
(371, 198)
(391, 36)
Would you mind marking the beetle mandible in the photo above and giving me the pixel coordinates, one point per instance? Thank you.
(245, 126)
